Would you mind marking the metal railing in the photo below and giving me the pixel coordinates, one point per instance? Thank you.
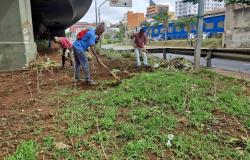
(242, 54)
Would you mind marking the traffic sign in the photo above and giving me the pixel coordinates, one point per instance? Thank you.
(121, 3)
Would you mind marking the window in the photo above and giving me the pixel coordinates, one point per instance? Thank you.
(209, 25)
(221, 24)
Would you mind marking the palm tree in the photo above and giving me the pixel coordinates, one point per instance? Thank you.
(163, 17)
(187, 23)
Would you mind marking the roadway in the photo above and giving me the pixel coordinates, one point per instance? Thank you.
(232, 65)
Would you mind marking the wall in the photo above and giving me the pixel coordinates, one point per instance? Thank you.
(173, 33)
(237, 26)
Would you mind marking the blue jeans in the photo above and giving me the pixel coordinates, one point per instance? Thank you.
(138, 52)
(81, 59)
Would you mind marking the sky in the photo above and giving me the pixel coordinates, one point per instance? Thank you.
(115, 14)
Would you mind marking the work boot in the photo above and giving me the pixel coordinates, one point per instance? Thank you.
(147, 67)
(91, 82)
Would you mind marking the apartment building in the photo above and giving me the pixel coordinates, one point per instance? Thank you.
(190, 9)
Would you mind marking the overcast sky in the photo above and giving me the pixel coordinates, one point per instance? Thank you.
(115, 14)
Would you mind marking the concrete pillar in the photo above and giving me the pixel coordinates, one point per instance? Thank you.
(17, 46)
(237, 26)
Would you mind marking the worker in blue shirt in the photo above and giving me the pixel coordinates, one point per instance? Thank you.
(80, 47)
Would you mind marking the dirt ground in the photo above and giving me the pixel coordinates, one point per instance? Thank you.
(26, 111)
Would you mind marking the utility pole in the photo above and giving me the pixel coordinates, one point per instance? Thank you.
(99, 10)
(96, 13)
(199, 36)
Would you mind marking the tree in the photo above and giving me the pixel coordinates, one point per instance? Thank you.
(121, 33)
(163, 17)
(187, 23)
(226, 1)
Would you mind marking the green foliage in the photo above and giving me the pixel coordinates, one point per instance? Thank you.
(92, 153)
(26, 150)
(107, 121)
(75, 129)
(101, 136)
(128, 131)
(64, 154)
(121, 34)
(135, 149)
(162, 17)
(185, 22)
(198, 145)
(134, 119)
(112, 54)
(48, 143)
(145, 23)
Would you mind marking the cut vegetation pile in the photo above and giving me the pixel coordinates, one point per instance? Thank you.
(167, 114)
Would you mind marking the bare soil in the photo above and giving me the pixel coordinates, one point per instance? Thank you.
(26, 109)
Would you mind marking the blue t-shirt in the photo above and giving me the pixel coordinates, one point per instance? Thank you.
(87, 41)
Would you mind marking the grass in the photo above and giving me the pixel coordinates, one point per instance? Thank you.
(26, 150)
(133, 120)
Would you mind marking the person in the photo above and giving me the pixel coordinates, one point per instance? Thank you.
(80, 47)
(139, 40)
(65, 45)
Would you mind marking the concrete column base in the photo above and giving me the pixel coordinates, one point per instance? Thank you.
(16, 55)
(17, 46)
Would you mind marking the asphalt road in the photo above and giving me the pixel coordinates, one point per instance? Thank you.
(233, 65)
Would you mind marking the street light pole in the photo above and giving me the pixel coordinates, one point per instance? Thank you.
(96, 14)
(99, 10)
(199, 35)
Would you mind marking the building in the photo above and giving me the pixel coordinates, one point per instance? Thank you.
(77, 27)
(190, 9)
(134, 20)
(155, 9)
(125, 19)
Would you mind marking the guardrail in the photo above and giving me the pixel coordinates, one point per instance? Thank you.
(242, 54)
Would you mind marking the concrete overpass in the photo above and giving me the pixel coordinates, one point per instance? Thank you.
(22, 21)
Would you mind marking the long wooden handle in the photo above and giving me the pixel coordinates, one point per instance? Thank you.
(115, 76)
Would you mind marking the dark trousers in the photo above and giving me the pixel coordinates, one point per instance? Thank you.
(81, 59)
(64, 57)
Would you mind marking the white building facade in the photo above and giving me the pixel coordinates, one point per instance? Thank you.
(190, 9)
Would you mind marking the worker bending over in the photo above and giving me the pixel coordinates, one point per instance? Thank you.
(80, 46)
(65, 45)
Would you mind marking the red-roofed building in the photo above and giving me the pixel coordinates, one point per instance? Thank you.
(77, 27)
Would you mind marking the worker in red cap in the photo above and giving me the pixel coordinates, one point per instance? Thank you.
(80, 47)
